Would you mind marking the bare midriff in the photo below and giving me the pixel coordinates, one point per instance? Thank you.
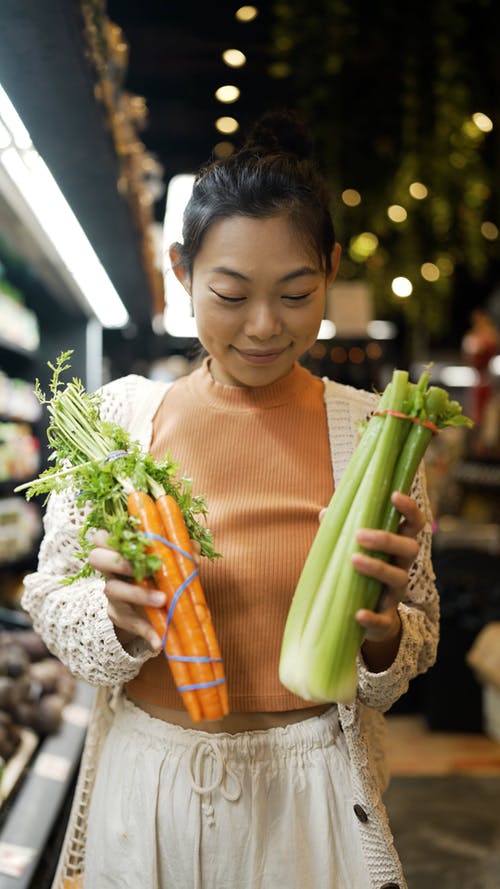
(234, 722)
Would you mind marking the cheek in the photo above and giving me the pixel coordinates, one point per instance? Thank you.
(213, 325)
(307, 325)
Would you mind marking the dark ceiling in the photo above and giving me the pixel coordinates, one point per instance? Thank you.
(176, 64)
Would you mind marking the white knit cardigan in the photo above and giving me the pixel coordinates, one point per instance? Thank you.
(74, 623)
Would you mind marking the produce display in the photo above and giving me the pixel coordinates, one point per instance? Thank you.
(322, 638)
(152, 516)
(34, 689)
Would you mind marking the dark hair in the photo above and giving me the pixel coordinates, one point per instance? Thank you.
(272, 173)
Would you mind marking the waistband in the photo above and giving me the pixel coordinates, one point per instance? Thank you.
(317, 731)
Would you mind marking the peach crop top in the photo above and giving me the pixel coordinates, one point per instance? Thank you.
(261, 458)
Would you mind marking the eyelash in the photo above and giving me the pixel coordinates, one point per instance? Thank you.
(238, 299)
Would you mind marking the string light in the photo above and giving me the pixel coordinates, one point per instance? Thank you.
(402, 287)
(223, 149)
(397, 213)
(445, 266)
(482, 121)
(234, 58)
(489, 231)
(227, 94)
(246, 13)
(226, 125)
(430, 271)
(351, 197)
(418, 190)
(362, 246)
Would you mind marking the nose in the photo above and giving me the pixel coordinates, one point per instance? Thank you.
(263, 322)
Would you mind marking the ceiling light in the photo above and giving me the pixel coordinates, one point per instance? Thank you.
(41, 201)
(246, 13)
(234, 58)
(5, 137)
(13, 122)
(226, 125)
(178, 315)
(227, 93)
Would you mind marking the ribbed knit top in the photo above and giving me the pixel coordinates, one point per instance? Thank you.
(261, 458)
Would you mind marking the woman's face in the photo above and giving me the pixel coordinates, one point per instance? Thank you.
(258, 296)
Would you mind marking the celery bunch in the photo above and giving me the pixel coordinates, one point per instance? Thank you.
(322, 638)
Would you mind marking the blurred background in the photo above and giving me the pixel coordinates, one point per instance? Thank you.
(107, 109)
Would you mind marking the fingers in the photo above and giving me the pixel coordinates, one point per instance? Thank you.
(414, 520)
(379, 626)
(402, 550)
(130, 621)
(390, 575)
(125, 608)
(126, 600)
(108, 561)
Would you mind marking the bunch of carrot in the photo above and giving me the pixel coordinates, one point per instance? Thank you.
(151, 519)
(185, 625)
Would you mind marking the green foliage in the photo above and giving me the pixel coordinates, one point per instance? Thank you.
(389, 91)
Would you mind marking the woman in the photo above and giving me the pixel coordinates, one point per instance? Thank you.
(282, 792)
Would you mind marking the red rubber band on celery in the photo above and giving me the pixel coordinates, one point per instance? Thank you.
(427, 423)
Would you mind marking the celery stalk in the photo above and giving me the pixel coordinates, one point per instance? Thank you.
(333, 521)
(322, 638)
(311, 608)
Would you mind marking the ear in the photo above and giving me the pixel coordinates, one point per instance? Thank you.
(179, 269)
(335, 262)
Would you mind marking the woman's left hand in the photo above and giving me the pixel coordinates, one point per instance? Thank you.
(384, 624)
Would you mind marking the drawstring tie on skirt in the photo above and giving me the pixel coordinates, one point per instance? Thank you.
(205, 753)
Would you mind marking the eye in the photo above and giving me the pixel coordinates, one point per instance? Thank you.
(228, 299)
(298, 298)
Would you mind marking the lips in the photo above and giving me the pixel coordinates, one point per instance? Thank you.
(258, 357)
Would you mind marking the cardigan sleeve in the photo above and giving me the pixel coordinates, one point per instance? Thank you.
(72, 618)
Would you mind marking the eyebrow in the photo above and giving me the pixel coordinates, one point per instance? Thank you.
(297, 273)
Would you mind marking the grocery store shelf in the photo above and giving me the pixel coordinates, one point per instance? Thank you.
(46, 73)
(11, 346)
(30, 817)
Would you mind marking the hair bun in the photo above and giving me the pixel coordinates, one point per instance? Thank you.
(279, 131)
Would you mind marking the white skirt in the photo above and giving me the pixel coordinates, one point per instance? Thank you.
(176, 808)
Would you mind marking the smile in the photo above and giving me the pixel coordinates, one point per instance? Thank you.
(260, 357)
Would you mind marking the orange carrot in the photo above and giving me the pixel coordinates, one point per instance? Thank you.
(168, 579)
(180, 669)
(177, 532)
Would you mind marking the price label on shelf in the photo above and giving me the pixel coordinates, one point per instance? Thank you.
(76, 715)
(14, 859)
(50, 766)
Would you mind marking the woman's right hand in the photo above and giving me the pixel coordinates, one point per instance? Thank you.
(126, 598)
